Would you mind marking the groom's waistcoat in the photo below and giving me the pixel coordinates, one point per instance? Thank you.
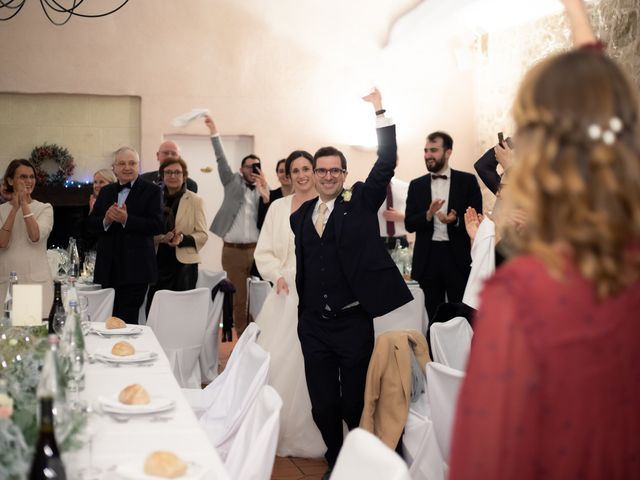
(324, 282)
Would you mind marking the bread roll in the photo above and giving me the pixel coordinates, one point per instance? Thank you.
(165, 465)
(114, 322)
(134, 395)
(123, 349)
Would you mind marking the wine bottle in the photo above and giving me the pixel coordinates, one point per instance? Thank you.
(47, 463)
(56, 306)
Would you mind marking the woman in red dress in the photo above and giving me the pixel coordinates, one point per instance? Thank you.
(552, 389)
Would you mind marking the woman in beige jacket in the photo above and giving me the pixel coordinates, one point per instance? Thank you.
(185, 231)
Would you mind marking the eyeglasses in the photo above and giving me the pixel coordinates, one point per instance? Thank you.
(173, 173)
(335, 172)
(26, 177)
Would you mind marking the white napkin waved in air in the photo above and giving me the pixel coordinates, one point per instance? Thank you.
(186, 118)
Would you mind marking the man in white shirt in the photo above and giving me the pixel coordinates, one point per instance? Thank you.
(436, 203)
(236, 220)
(391, 214)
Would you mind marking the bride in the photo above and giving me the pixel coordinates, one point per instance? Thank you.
(278, 319)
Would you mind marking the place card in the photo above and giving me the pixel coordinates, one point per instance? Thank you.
(27, 305)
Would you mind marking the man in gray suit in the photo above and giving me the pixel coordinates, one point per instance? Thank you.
(236, 221)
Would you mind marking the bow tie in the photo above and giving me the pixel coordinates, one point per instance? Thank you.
(250, 186)
(443, 177)
(123, 186)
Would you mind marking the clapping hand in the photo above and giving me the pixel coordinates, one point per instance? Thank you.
(176, 238)
(436, 205)
(450, 217)
(117, 213)
(472, 220)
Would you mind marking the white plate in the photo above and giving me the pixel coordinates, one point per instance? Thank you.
(135, 471)
(139, 356)
(128, 330)
(157, 404)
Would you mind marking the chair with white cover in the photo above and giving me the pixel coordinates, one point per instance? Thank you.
(363, 455)
(419, 445)
(200, 400)
(443, 386)
(100, 303)
(253, 450)
(179, 320)
(257, 291)
(209, 354)
(451, 342)
(224, 414)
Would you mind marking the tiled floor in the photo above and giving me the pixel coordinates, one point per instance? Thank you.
(284, 468)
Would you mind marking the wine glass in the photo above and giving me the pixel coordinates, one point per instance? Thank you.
(93, 427)
(83, 306)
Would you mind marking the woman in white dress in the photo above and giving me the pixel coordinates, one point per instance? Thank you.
(278, 319)
(25, 225)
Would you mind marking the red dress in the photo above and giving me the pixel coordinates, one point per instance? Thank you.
(552, 389)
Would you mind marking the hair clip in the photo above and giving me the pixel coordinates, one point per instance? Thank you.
(608, 136)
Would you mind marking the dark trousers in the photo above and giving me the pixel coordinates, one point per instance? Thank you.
(336, 354)
(128, 300)
(443, 274)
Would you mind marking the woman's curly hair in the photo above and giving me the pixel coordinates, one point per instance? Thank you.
(580, 194)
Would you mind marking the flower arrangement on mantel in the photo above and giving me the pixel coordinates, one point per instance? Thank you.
(60, 156)
(22, 351)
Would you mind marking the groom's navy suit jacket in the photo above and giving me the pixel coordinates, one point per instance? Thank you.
(365, 262)
(126, 255)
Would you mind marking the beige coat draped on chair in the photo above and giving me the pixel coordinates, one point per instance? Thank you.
(388, 390)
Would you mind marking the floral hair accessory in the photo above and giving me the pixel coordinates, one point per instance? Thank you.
(607, 135)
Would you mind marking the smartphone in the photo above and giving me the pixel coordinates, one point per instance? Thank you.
(256, 168)
(500, 138)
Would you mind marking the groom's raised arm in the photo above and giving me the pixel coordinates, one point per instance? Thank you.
(375, 186)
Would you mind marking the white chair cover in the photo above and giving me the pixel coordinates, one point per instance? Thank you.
(222, 418)
(200, 400)
(178, 320)
(209, 353)
(257, 291)
(443, 386)
(363, 455)
(451, 342)
(253, 450)
(100, 303)
(209, 278)
(419, 446)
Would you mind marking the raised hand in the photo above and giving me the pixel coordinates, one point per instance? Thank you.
(504, 155)
(374, 98)
(208, 121)
(261, 184)
(472, 222)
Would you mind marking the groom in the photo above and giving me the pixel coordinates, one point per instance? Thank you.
(345, 277)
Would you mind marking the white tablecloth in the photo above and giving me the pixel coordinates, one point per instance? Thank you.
(118, 443)
(412, 315)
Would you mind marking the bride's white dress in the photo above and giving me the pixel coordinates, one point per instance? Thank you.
(278, 322)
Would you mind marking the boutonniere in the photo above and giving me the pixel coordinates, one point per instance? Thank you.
(346, 194)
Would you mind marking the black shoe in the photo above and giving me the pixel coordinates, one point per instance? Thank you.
(327, 474)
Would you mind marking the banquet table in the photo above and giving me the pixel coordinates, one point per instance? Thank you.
(411, 316)
(117, 442)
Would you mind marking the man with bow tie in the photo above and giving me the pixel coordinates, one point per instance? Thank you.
(237, 220)
(436, 203)
(126, 216)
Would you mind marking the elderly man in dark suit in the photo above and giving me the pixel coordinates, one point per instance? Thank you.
(344, 278)
(436, 203)
(126, 216)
